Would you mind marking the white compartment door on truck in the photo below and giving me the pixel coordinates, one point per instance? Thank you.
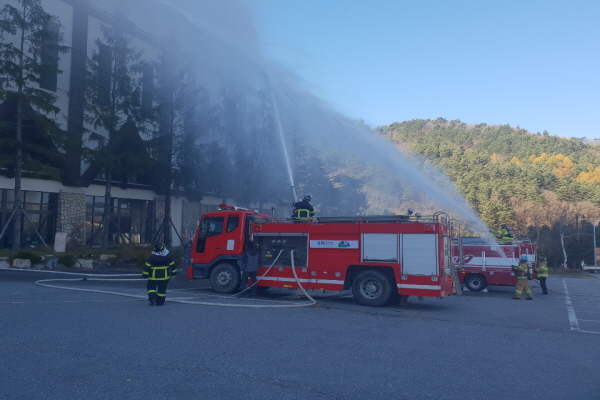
(419, 254)
(380, 247)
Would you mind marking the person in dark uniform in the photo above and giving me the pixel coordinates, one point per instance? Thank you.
(159, 268)
(248, 269)
(303, 210)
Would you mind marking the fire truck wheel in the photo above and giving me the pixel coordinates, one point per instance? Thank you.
(225, 279)
(373, 288)
(475, 282)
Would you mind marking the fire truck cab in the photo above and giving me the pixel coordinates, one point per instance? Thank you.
(377, 257)
(482, 262)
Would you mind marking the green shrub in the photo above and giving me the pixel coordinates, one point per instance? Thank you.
(68, 260)
(134, 254)
(28, 255)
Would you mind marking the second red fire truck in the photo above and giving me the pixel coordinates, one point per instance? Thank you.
(377, 257)
(482, 262)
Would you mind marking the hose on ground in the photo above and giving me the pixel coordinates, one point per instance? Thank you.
(88, 277)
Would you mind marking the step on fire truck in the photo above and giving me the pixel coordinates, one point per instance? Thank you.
(483, 261)
(377, 257)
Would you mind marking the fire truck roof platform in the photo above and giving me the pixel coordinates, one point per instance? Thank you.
(484, 241)
(360, 219)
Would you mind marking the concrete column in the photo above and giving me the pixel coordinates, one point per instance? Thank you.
(190, 217)
(71, 216)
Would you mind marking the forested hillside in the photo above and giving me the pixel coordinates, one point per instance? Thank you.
(545, 187)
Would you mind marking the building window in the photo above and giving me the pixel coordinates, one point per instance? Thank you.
(147, 89)
(130, 220)
(40, 217)
(49, 56)
(104, 74)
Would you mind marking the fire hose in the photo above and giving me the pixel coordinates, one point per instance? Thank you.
(87, 277)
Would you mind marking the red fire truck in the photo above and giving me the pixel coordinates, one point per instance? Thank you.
(483, 261)
(377, 257)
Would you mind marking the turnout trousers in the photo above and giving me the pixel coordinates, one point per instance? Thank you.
(523, 285)
(157, 291)
(543, 284)
(248, 275)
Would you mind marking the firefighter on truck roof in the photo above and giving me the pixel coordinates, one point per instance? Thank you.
(505, 234)
(303, 210)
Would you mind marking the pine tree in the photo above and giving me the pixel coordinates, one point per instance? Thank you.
(113, 99)
(29, 49)
(179, 158)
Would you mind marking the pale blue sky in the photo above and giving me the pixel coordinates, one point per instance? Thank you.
(528, 63)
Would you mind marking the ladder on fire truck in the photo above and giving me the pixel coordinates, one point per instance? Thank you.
(453, 269)
(455, 281)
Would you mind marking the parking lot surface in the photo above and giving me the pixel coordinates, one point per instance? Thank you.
(99, 339)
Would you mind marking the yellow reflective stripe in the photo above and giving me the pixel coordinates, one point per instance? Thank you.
(160, 279)
(160, 267)
(162, 295)
(302, 213)
(151, 291)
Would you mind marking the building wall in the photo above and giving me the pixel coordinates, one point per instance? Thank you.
(190, 219)
(71, 207)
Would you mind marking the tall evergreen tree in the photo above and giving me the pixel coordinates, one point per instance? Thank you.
(114, 98)
(29, 53)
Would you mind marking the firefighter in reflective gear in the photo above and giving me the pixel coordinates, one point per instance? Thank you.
(159, 268)
(542, 273)
(505, 233)
(303, 210)
(522, 272)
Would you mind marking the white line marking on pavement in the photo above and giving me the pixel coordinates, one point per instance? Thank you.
(570, 310)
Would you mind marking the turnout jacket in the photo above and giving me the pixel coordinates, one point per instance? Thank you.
(542, 269)
(522, 270)
(159, 267)
(303, 210)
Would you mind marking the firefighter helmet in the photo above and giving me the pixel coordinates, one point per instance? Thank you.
(158, 247)
(542, 258)
(308, 197)
(523, 257)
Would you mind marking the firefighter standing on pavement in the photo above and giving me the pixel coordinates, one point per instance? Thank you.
(522, 272)
(159, 268)
(542, 273)
(303, 210)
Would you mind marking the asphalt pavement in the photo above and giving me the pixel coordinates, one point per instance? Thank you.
(99, 339)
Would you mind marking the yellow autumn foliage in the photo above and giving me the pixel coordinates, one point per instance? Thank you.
(592, 175)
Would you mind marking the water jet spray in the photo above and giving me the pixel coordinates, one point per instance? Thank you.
(283, 143)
